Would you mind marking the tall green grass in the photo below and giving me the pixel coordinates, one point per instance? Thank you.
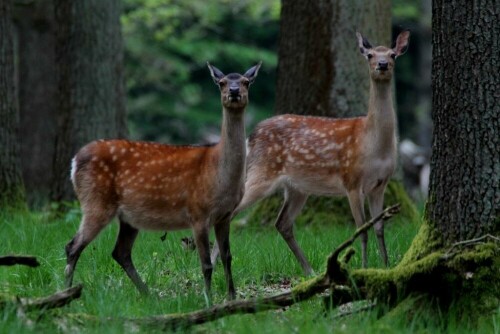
(262, 265)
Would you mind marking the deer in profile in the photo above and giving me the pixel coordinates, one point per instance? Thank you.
(151, 186)
(353, 157)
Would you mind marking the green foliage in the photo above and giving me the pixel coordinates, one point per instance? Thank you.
(167, 44)
(405, 9)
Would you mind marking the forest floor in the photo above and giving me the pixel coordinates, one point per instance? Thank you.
(262, 266)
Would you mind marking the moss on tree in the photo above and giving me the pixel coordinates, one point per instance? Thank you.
(460, 281)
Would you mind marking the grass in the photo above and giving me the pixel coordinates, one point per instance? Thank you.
(262, 265)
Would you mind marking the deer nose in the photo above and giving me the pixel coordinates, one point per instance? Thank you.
(234, 90)
(382, 65)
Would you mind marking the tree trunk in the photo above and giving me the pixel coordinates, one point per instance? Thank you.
(320, 71)
(90, 81)
(37, 94)
(464, 194)
(11, 184)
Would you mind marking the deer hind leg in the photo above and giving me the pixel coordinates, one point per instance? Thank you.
(222, 236)
(122, 253)
(376, 202)
(356, 202)
(201, 231)
(91, 225)
(292, 205)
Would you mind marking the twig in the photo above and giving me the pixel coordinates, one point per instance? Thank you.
(476, 240)
(11, 260)
(449, 254)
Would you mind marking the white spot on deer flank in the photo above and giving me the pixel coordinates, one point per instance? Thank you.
(136, 154)
(112, 149)
(309, 156)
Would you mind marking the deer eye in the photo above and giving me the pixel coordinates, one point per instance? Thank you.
(393, 55)
(222, 84)
(246, 83)
(369, 56)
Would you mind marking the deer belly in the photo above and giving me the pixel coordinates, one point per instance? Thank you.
(145, 218)
(318, 184)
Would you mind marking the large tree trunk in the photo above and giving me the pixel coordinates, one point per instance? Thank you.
(317, 72)
(464, 194)
(37, 94)
(90, 81)
(11, 184)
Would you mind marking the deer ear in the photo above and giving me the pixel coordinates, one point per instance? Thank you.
(364, 45)
(402, 43)
(251, 74)
(215, 73)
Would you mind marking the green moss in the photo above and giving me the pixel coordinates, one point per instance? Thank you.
(307, 285)
(329, 210)
(426, 241)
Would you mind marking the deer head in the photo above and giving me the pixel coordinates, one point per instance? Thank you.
(381, 59)
(234, 86)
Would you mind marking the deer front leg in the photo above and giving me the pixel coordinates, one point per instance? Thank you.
(292, 205)
(356, 201)
(376, 203)
(200, 231)
(222, 236)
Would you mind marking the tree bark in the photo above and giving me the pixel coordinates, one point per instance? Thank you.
(11, 183)
(90, 81)
(37, 94)
(320, 71)
(464, 194)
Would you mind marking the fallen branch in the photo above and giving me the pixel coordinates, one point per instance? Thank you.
(58, 299)
(333, 267)
(11, 260)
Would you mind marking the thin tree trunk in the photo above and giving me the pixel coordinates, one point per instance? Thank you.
(37, 94)
(320, 71)
(11, 184)
(90, 81)
(464, 194)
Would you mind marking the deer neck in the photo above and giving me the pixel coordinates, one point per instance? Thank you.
(232, 151)
(381, 119)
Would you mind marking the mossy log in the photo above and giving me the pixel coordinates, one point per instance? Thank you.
(328, 210)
